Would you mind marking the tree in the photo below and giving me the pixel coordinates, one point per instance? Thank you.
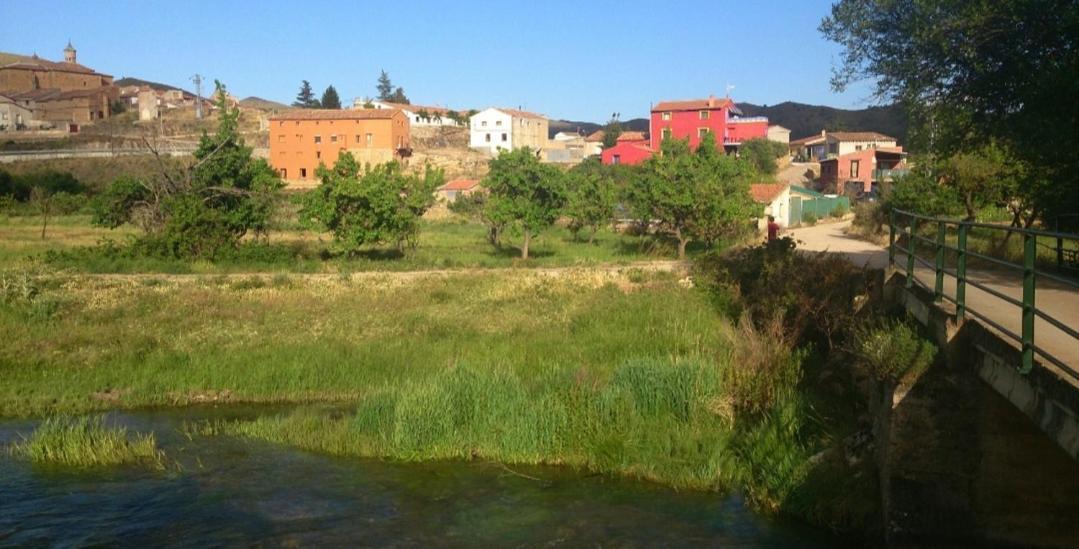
(378, 205)
(702, 196)
(205, 208)
(611, 131)
(591, 198)
(762, 154)
(306, 98)
(50, 192)
(984, 176)
(384, 87)
(330, 100)
(399, 97)
(526, 194)
(969, 73)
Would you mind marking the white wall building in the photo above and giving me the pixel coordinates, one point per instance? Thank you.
(497, 129)
(418, 115)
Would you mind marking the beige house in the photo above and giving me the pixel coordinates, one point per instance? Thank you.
(832, 144)
(14, 116)
(779, 134)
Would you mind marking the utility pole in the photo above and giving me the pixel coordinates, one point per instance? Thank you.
(198, 95)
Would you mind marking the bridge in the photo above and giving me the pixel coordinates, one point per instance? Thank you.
(986, 446)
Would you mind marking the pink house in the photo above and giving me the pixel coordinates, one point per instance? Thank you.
(631, 148)
(694, 118)
(857, 172)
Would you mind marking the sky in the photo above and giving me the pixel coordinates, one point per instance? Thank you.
(575, 60)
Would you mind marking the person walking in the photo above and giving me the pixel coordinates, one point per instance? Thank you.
(773, 229)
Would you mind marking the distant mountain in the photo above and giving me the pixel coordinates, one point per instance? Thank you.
(805, 120)
(585, 128)
(802, 120)
(131, 81)
(262, 104)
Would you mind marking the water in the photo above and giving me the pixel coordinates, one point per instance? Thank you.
(238, 492)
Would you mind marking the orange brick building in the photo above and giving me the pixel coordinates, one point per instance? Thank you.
(302, 139)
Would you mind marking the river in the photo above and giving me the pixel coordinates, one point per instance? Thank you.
(229, 491)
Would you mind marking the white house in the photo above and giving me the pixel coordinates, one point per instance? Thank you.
(418, 115)
(496, 129)
(779, 134)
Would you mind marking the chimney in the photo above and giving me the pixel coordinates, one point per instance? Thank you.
(711, 101)
(824, 133)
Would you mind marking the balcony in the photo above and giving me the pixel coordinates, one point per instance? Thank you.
(888, 175)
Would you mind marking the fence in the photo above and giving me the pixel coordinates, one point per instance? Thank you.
(905, 227)
(823, 206)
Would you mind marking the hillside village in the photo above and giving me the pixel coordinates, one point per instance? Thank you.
(42, 100)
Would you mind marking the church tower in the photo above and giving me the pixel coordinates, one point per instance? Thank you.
(69, 53)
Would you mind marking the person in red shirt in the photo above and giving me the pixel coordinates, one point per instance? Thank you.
(773, 229)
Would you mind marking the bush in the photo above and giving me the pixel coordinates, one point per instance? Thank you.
(839, 211)
(870, 218)
(921, 194)
(813, 294)
(893, 350)
(809, 218)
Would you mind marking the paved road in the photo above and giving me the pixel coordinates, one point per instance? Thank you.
(1057, 300)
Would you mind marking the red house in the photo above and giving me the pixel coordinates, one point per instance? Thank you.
(695, 117)
(630, 148)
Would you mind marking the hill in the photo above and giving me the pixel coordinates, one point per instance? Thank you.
(131, 81)
(262, 104)
(802, 120)
(805, 120)
(585, 128)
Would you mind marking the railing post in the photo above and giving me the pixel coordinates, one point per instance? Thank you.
(1030, 252)
(891, 236)
(911, 244)
(938, 286)
(961, 274)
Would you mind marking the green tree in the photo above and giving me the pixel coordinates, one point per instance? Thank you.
(384, 87)
(526, 194)
(330, 100)
(591, 198)
(205, 208)
(611, 131)
(399, 97)
(762, 154)
(988, 175)
(306, 98)
(378, 205)
(968, 73)
(702, 196)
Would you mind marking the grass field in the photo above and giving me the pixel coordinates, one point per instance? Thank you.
(451, 244)
(78, 344)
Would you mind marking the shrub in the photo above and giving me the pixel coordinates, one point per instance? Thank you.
(812, 292)
(870, 218)
(763, 370)
(809, 218)
(892, 350)
(839, 211)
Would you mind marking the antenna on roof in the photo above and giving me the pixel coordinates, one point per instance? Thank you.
(729, 88)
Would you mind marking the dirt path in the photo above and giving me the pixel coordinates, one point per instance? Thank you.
(554, 272)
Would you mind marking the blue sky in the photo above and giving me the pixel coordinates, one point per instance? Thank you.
(578, 60)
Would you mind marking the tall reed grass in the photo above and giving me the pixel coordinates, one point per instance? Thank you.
(87, 442)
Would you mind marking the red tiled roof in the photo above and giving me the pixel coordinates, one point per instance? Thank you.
(336, 114)
(596, 136)
(631, 136)
(46, 65)
(417, 108)
(807, 140)
(460, 185)
(53, 94)
(521, 114)
(692, 104)
(765, 193)
(860, 136)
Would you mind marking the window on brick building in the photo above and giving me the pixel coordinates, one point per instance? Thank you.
(701, 132)
(704, 115)
(665, 133)
(333, 138)
(666, 116)
(854, 168)
(318, 139)
(303, 173)
(369, 139)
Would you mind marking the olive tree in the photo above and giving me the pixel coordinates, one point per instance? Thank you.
(526, 195)
(380, 204)
(702, 196)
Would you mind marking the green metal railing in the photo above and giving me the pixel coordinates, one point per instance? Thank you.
(883, 174)
(909, 233)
